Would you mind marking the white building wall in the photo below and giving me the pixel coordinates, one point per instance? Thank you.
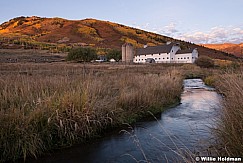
(166, 58)
(187, 57)
(194, 55)
(173, 51)
(184, 58)
(159, 58)
(171, 57)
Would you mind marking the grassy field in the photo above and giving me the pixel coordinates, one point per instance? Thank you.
(47, 105)
(30, 55)
(44, 106)
(229, 129)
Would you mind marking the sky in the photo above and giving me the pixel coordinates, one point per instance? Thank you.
(197, 21)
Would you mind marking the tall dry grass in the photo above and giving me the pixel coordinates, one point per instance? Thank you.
(42, 110)
(229, 130)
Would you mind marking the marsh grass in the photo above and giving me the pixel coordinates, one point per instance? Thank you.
(53, 106)
(229, 128)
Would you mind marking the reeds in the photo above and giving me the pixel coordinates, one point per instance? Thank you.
(42, 110)
(229, 130)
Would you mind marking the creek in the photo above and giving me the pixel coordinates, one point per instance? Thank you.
(181, 129)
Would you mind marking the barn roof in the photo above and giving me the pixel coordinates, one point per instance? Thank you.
(155, 49)
(184, 51)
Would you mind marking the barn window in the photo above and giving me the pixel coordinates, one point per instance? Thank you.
(159, 58)
(139, 59)
(155, 58)
(172, 58)
(181, 58)
(187, 57)
(136, 60)
(145, 55)
(159, 53)
(163, 58)
(167, 57)
(184, 57)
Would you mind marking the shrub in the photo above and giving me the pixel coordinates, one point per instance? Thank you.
(209, 80)
(82, 54)
(115, 54)
(205, 62)
(235, 65)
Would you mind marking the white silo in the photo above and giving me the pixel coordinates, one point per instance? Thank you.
(123, 52)
(127, 53)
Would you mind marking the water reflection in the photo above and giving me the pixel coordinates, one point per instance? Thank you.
(182, 127)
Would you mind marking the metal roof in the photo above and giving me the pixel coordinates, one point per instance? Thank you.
(184, 51)
(155, 49)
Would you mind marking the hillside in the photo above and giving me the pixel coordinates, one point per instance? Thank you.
(236, 49)
(58, 34)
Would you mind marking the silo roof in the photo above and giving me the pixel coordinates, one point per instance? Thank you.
(127, 44)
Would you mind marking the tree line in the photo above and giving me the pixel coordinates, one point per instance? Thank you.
(88, 54)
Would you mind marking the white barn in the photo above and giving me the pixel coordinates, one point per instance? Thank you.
(169, 53)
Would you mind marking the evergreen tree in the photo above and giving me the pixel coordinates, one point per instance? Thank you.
(82, 54)
(114, 54)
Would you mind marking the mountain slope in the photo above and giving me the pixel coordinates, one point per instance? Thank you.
(236, 49)
(92, 32)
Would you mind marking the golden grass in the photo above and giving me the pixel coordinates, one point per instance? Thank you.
(46, 106)
(222, 63)
(132, 41)
(87, 30)
(229, 129)
(2, 31)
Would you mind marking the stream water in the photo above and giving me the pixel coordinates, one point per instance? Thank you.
(179, 129)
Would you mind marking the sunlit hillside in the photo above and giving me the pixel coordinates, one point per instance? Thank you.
(236, 49)
(60, 34)
(87, 31)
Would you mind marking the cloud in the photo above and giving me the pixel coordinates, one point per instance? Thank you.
(169, 30)
(218, 34)
(215, 35)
